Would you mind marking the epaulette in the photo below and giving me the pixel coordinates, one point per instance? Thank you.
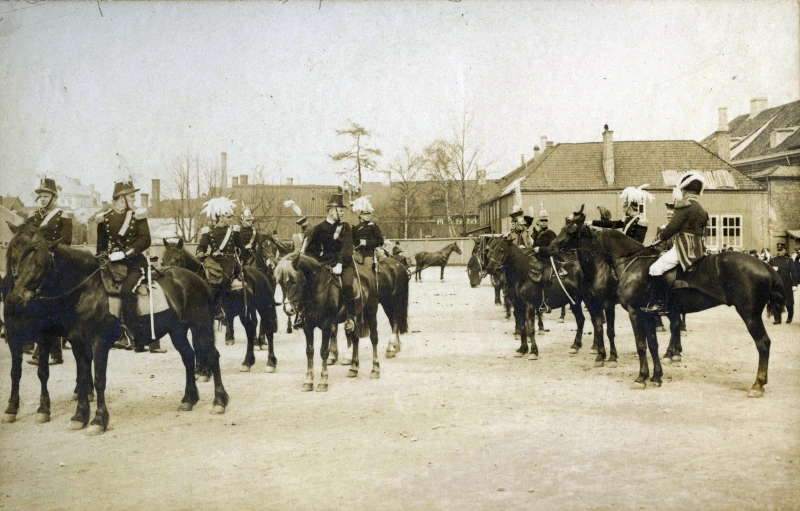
(237, 228)
(204, 230)
(643, 222)
(141, 213)
(100, 214)
(682, 203)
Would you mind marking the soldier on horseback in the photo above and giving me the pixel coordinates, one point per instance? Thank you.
(633, 224)
(331, 243)
(56, 226)
(542, 236)
(367, 236)
(124, 234)
(519, 234)
(220, 245)
(250, 236)
(686, 229)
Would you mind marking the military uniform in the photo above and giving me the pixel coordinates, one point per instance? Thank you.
(687, 227)
(790, 278)
(633, 226)
(220, 243)
(54, 225)
(367, 236)
(249, 237)
(541, 239)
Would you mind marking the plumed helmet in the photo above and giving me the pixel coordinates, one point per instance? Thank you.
(516, 212)
(635, 195)
(247, 214)
(362, 205)
(218, 206)
(543, 212)
(292, 204)
(686, 180)
(47, 185)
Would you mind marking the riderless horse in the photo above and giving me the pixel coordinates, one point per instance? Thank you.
(63, 287)
(439, 258)
(256, 295)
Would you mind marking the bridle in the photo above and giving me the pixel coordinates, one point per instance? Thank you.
(51, 266)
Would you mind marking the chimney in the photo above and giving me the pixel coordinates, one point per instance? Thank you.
(224, 180)
(289, 181)
(608, 155)
(481, 177)
(543, 145)
(234, 181)
(535, 151)
(549, 144)
(243, 179)
(144, 199)
(521, 160)
(155, 193)
(723, 137)
(757, 105)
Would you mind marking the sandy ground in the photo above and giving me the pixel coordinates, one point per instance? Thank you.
(455, 422)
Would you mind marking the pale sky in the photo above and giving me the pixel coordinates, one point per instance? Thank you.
(269, 83)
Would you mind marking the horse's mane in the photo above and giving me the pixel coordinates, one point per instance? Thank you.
(77, 256)
(284, 269)
(627, 244)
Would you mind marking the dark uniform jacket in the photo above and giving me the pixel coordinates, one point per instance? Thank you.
(633, 226)
(687, 226)
(542, 239)
(126, 232)
(54, 225)
(521, 239)
(331, 244)
(249, 236)
(372, 236)
(222, 239)
(788, 273)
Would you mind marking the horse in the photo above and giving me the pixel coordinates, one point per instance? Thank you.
(314, 290)
(743, 282)
(256, 296)
(276, 251)
(439, 258)
(63, 288)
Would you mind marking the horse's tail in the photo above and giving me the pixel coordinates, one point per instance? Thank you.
(776, 300)
(400, 300)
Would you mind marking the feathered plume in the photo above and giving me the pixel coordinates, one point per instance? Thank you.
(218, 206)
(636, 194)
(292, 204)
(362, 205)
(518, 194)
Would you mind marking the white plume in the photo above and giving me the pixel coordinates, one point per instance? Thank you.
(292, 204)
(518, 194)
(636, 194)
(362, 205)
(218, 206)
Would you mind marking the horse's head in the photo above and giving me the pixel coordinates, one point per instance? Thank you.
(174, 254)
(29, 260)
(291, 280)
(569, 232)
(496, 257)
(268, 251)
(456, 249)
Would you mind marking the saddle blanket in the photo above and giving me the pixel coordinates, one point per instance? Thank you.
(142, 301)
(701, 276)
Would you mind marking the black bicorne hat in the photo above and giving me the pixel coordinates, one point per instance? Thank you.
(47, 185)
(124, 188)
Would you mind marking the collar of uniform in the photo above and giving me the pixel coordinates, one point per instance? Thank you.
(329, 221)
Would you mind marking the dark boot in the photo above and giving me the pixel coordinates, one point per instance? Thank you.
(657, 304)
(34, 361)
(350, 308)
(155, 347)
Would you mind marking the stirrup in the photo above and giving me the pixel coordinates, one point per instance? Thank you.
(655, 307)
(350, 325)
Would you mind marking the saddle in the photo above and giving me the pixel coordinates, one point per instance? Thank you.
(215, 274)
(699, 276)
(540, 272)
(113, 275)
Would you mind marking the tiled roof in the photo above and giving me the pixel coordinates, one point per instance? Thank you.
(783, 116)
(580, 167)
(792, 171)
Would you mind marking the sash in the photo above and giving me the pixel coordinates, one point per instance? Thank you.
(49, 217)
(253, 238)
(125, 224)
(630, 223)
(225, 239)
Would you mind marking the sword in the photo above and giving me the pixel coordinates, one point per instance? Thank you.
(150, 295)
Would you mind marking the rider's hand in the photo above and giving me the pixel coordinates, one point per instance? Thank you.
(217, 253)
(337, 270)
(536, 250)
(201, 255)
(248, 246)
(116, 256)
(363, 243)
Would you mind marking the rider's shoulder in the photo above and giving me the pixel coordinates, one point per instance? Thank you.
(643, 222)
(204, 230)
(682, 203)
(237, 228)
(141, 213)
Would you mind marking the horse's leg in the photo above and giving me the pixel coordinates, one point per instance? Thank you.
(229, 340)
(324, 353)
(100, 422)
(652, 344)
(83, 388)
(288, 323)
(352, 338)
(441, 273)
(272, 360)
(333, 345)
(519, 324)
(15, 344)
(596, 315)
(181, 342)
(638, 323)
(580, 319)
(308, 384)
(683, 327)
(497, 296)
(248, 321)
(391, 349)
(755, 325)
(508, 305)
(373, 336)
(530, 332)
(563, 314)
(203, 339)
(43, 412)
(540, 320)
(611, 313)
(671, 355)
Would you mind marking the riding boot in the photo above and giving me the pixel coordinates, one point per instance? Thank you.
(657, 304)
(34, 361)
(350, 308)
(155, 347)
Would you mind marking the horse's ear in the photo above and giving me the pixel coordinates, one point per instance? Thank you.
(581, 210)
(180, 243)
(14, 228)
(166, 243)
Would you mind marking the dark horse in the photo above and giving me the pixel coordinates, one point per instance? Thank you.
(314, 290)
(63, 287)
(439, 258)
(475, 272)
(748, 285)
(257, 295)
(274, 251)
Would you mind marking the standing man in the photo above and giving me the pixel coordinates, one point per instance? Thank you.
(687, 227)
(331, 243)
(367, 236)
(124, 234)
(55, 225)
(633, 224)
(788, 273)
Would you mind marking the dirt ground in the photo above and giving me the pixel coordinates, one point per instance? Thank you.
(454, 422)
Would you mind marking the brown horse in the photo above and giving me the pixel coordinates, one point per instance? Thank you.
(438, 258)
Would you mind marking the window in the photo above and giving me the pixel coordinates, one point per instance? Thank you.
(731, 230)
(440, 221)
(712, 234)
(472, 221)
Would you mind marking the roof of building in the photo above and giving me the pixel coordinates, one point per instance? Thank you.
(791, 171)
(657, 162)
(750, 137)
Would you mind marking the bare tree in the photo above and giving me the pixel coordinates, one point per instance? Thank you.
(466, 169)
(359, 158)
(405, 190)
(184, 180)
(439, 170)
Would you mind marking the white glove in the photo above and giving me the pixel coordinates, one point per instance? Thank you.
(363, 243)
(116, 256)
(536, 250)
(201, 255)
(337, 270)
(248, 246)
(217, 253)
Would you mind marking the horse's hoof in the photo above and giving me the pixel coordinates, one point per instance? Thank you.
(204, 378)
(593, 351)
(74, 396)
(346, 362)
(656, 383)
(611, 363)
(519, 354)
(676, 358)
(308, 387)
(638, 385)
(218, 409)
(230, 343)
(390, 354)
(95, 429)
(352, 373)
(573, 351)
(660, 329)
(270, 369)
(331, 361)
(666, 360)
(9, 418)
(375, 375)
(533, 356)
(76, 425)
(684, 333)
(185, 407)
(542, 332)
(560, 320)
(244, 369)
(755, 393)
(41, 418)
(599, 363)
(322, 387)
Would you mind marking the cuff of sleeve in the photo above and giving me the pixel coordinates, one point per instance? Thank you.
(129, 252)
